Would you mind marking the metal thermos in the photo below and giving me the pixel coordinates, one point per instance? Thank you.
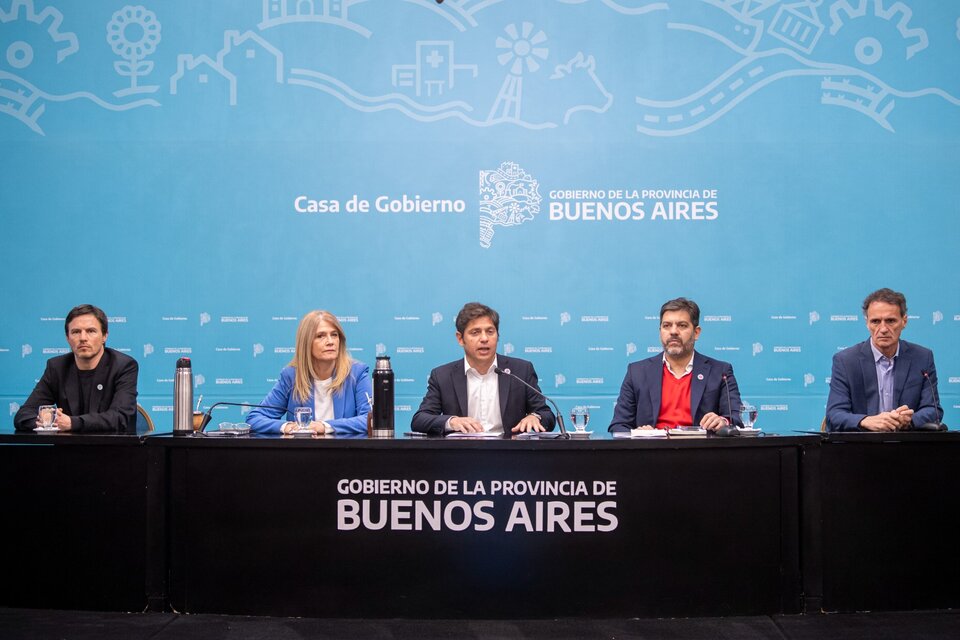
(183, 398)
(382, 399)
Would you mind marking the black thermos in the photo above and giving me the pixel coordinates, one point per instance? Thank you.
(383, 398)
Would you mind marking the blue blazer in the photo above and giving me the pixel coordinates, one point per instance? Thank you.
(639, 401)
(447, 397)
(350, 404)
(855, 394)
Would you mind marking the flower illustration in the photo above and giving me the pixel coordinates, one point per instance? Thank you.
(133, 33)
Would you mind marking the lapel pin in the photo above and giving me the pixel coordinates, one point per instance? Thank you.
(699, 376)
(99, 387)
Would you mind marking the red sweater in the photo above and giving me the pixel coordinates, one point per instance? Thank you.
(674, 401)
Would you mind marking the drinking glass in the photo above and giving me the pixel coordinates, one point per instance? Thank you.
(197, 421)
(748, 414)
(303, 416)
(580, 417)
(48, 415)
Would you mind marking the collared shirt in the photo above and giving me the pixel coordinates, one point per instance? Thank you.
(483, 397)
(686, 370)
(885, 368)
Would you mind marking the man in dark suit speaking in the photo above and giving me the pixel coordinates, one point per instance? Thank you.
(94, 387)
(681, 386)
(884, 383)
(467, 395)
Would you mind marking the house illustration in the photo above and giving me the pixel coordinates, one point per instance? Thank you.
(243, 54)
(202, 74)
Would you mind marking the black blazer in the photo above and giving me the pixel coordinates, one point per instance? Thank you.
(113, 408)
(447, 397)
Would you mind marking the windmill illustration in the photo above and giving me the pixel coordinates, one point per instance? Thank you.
(521, 54)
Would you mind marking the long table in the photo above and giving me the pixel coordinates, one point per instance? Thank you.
(75, 521)
(693, 527)
(889, 521)
(599, 527)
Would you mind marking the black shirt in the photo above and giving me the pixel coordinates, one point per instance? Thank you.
(86, 389)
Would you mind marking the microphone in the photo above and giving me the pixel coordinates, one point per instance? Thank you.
(208, 416)
(730, 429)
(556, 410)
(726, 386)
(934, 425)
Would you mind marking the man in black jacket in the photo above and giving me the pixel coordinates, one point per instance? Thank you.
(468, 395)
(94, 387)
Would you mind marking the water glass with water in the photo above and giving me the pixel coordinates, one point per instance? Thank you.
(580, 417)
(303, 416)
(748, 414)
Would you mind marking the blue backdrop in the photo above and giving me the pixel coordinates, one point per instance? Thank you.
(208, 171)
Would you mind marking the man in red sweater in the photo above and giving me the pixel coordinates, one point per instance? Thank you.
(680, 387)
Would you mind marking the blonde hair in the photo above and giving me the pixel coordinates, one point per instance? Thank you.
(306, 372)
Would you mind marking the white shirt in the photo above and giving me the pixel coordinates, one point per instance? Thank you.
(322, 400)
(686, 370)
(483, 397)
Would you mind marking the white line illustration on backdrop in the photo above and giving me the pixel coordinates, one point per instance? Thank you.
(520, 50)
(38, 40)
(133, 33)
(739, 25)
(239, 51)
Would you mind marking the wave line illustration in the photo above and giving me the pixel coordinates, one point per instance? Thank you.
(713, 35)
(25, 102)
(463, 13)
(398, 102)
(361, 97)
(100, 102)
(627, 11)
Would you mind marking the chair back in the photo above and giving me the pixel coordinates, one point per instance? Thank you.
(144, 422)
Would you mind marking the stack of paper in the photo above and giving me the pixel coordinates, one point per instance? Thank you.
(641, 433)
(687, 432)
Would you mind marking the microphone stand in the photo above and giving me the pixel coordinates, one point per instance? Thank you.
(734, 430)
(208, 416)
(556, 410)
(935, 424)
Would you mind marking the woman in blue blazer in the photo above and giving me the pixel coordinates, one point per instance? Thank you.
(322, 376)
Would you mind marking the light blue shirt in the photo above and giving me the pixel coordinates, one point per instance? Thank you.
(885, 368)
